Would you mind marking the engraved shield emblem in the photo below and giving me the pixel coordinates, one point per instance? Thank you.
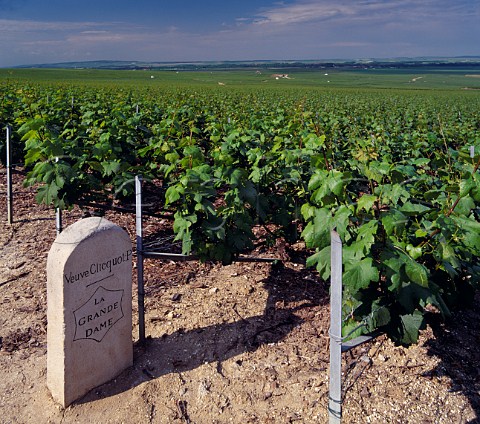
(94, 319)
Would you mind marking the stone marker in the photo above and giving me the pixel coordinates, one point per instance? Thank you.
(89, 308)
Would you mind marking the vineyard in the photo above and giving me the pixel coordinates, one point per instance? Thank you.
(395, 172)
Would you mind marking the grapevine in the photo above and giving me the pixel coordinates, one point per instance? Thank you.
(392, 172)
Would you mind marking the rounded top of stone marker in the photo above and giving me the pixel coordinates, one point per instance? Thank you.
(86, 228)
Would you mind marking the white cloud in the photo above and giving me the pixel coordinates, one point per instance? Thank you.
(370, 28)
(314, 11)
(95, 32)
(24, 42)
(300, 13)
(41, 26)
(97, 37)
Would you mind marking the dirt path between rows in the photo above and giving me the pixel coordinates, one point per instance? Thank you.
(244, 343)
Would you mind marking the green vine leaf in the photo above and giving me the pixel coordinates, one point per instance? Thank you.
(411, 326)
(359, 274)
(416, 272)
(366, 202)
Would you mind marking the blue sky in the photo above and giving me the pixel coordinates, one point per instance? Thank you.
(48, 31)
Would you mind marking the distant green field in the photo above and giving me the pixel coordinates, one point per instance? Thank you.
(409, 79)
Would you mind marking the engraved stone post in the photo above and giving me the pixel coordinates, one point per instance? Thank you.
(89, 301)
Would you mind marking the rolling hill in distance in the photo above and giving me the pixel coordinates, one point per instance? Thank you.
(461, 62)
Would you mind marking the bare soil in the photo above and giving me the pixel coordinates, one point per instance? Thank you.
(243, 343)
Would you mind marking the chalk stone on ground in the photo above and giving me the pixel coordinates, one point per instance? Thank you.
(89, 308)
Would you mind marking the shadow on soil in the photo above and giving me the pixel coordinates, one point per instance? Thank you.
(457, 344)
(186, 350)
